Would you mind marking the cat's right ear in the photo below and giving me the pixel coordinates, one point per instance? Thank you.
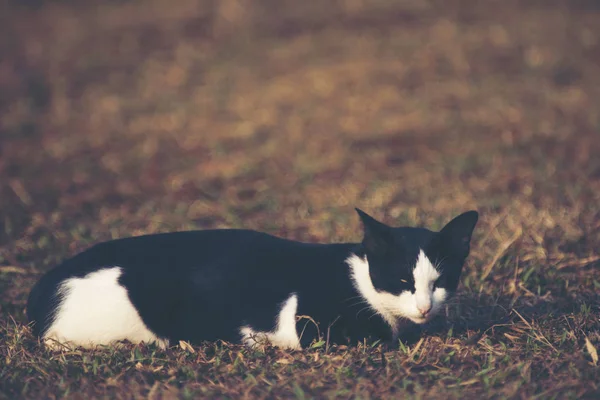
(377, 237)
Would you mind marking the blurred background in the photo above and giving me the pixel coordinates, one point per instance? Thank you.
(120, 118)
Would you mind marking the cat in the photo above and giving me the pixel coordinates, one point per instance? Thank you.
(246, 286)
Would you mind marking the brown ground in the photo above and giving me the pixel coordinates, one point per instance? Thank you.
(141, 116)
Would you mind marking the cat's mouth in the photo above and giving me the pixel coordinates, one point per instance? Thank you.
(413, 317)
(420, 320)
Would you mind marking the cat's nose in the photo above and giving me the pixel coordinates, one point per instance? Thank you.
(424, 310)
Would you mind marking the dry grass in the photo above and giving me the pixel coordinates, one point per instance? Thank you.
(135, 117)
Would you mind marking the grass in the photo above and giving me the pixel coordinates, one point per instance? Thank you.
(124, 118)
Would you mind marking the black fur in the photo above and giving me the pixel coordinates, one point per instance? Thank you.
(204, 285)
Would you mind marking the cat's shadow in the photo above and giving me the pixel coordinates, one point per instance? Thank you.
(475, 315)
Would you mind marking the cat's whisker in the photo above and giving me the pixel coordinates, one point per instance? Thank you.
(354, 297)
(359, 303)
(374, 314)
(362, 309)
(438, 263)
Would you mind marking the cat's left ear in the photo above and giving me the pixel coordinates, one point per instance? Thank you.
(456, 235)
(377, 236)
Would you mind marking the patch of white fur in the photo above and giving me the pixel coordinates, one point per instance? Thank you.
(425, 275)
(284, 335)
(96, 310)
(405, 305)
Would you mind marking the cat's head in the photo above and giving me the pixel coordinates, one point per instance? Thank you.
(410, 272)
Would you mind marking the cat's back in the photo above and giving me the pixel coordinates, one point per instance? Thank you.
(174, 250)
(181, 249)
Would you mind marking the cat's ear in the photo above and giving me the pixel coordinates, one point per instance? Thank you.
(377, 237)
(456, 235)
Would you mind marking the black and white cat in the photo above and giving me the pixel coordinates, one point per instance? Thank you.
(242, 285)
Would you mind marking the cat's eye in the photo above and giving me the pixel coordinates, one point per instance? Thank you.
(403, 281)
